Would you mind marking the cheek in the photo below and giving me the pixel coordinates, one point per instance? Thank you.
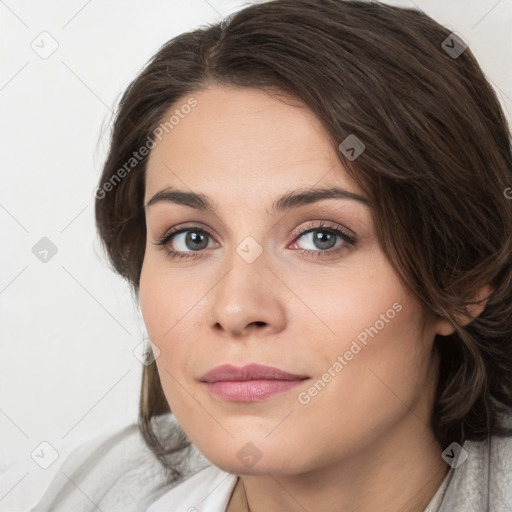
(384, 370)
(169, 306)
(165, 297)
(365, 300)
(376, 350)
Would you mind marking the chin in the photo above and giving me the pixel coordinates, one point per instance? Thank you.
(248, 461)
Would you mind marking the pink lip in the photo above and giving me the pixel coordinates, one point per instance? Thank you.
(248, 372)
(250, 383)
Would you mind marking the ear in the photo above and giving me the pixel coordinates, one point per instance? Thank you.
(444, 327)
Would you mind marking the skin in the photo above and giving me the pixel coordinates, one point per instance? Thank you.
(363, 442)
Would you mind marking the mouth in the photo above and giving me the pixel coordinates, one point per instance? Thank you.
(249, 383)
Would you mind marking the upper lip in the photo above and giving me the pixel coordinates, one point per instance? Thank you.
(248, 372)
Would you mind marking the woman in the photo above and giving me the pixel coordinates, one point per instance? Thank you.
(309, 201)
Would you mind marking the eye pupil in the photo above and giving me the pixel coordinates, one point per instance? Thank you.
(324, 239)
(196, 240)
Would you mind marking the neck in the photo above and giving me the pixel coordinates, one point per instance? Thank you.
(399, 472)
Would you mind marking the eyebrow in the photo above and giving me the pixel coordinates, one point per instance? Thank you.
(286, 202)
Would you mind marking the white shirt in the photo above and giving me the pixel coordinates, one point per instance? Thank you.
(208, 490)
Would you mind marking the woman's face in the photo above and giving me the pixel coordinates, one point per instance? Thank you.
(299, 283)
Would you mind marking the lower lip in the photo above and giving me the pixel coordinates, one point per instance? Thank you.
(249, 390)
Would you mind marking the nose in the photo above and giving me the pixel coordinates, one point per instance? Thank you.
(247, 300)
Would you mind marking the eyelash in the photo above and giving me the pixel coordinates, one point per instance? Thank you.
(348, 240)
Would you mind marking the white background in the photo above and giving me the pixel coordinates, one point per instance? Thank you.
(69, 326)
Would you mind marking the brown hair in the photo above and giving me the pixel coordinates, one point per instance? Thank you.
(436, 165)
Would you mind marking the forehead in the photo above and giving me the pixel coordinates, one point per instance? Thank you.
(244, 138)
